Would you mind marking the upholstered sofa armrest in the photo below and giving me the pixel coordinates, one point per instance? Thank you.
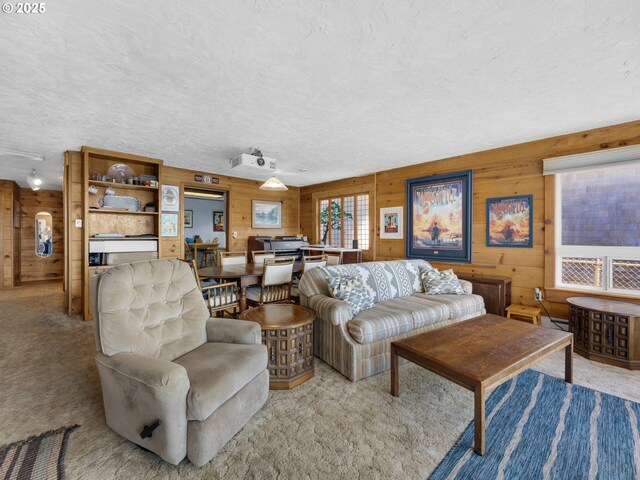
(331, 309)
(137, 392)
(226, 330)
(152, 372)
(466, 286)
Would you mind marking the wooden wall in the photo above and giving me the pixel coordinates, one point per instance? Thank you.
(512, 170)
(241, 192)
(32, 267)
(10, 241)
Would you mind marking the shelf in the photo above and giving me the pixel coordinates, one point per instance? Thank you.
(126, 186)
(122, 212)
(99, 239)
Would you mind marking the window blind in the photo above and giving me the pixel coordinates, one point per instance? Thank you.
(590, 160)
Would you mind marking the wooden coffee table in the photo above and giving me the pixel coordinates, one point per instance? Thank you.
(287, 331)
(480, 354)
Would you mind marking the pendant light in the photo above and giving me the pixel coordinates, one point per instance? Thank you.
(274, 185)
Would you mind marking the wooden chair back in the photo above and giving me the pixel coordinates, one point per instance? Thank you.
(313, 261)
(276, 280)
(233, 258)
(258, 256)
(188, 251)
(334, 258)
(218, 297)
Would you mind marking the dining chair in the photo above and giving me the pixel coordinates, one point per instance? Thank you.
(334, 258)
(258, 256)
(219, 297)
(209, 255)
(277, 275)
(233, 258)
(309, 262)
(188, 251)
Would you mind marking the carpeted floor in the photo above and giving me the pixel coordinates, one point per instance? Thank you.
(326, 428)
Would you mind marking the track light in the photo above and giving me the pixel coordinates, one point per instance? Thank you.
(34, 181)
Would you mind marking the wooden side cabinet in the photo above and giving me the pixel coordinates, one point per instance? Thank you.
(496, 292)
(606, 331)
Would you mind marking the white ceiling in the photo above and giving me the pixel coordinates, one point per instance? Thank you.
(340, 88)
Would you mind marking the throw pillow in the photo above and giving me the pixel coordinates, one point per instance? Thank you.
(352, 290)
(435, 282)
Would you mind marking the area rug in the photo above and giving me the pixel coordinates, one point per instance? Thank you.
(40, 457)
(539, 427)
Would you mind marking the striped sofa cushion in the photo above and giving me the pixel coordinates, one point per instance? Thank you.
(458, 305)
(395, 317)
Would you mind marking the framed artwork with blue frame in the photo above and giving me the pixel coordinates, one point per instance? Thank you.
(510, 221)
(439, 215)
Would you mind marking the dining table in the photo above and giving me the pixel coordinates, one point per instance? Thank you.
(245, 275)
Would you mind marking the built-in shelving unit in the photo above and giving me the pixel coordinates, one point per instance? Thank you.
(99, 220)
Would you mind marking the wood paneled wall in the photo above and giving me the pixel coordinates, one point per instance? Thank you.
(512, 170)
(32, 267)
(10, 241)
(73, 236)
(240, 194)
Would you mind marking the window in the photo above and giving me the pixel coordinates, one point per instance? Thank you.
(344, 219)
(598, 229)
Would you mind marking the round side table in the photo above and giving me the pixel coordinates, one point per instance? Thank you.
(287, 331)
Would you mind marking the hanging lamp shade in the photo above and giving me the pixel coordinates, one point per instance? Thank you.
(273, 184)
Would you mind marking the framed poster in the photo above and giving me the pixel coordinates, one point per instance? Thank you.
(439, 213)
(218, 221)
(391, 223)
(188, 219)
(169, 224)
(266, 214)
(510, 221)
(170, 198)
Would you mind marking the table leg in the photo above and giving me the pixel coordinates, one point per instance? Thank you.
(395, 387)
(479, 420)
(243, 299)
(568, 363)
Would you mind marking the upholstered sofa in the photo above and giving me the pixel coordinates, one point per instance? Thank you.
(359, 346)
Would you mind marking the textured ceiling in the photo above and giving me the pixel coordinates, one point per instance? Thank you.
(339, 88)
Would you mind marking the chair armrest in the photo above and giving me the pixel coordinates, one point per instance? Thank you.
(330, 309)
(226, 330)
(152, 372)
(466, 286)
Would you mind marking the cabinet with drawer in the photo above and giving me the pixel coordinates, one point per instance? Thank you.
(605, 330)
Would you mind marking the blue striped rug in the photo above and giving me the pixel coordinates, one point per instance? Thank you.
(539, 427)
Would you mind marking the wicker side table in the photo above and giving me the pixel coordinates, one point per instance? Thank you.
(287, 331)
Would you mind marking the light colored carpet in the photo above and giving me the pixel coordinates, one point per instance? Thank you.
(325, 428)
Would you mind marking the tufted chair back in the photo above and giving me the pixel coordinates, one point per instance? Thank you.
(152, 308)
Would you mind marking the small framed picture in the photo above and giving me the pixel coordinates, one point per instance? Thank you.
(266, 214)
(170, 198)
(391, 224)
(169, 225)
(218, 221)
(510, 221)
(188, 219)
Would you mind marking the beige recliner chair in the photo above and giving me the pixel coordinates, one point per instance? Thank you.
(174, 381)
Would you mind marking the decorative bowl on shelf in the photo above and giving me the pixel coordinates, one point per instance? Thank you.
(120, 172)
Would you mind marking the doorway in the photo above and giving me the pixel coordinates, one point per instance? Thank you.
(206, 217)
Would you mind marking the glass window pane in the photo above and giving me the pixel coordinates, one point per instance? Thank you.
(324, 215)
(582, 271)
(363, 222)
(336, 222)
(625, 274)
(600, 207)
(349, 234)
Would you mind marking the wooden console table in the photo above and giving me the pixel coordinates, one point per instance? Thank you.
(606, 331)
(496, 292)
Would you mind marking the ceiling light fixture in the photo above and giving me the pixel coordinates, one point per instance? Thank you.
(34, 181)
(274, 185)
